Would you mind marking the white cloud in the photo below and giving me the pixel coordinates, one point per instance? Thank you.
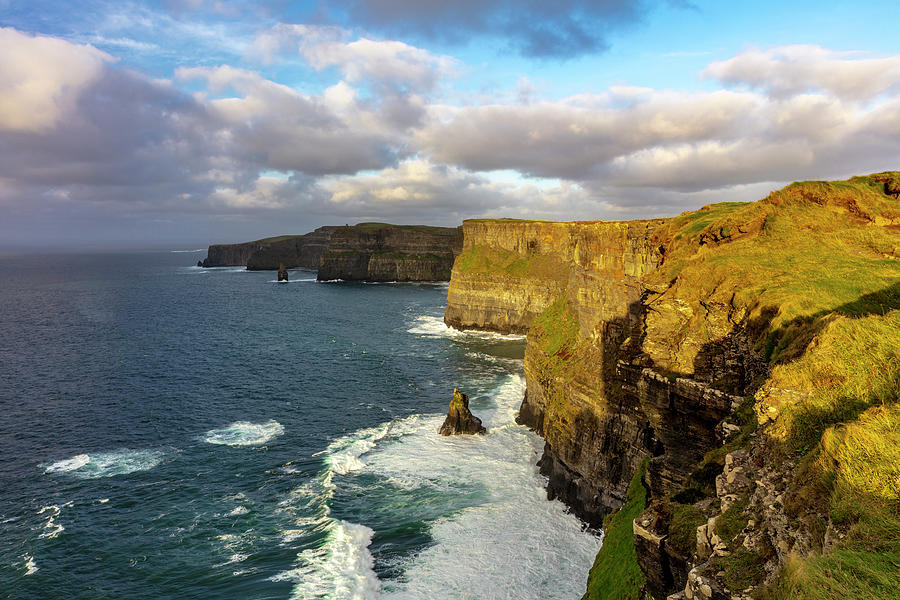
(789, 70)
(285, 130)
(388, 63)
(76, 132)
(41, 79)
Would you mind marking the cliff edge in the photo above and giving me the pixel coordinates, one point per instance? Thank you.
(729, 378)
(303, 251)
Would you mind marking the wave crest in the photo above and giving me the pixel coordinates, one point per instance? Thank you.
(107, 464)
(245, 433)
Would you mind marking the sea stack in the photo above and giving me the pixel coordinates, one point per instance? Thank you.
(459, 419)
(282, 273)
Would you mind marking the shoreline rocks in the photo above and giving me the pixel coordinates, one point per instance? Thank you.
(460, 419)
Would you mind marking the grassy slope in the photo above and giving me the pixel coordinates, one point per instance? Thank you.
(372, 227)
(615, 574)
(815, 270)
(817, 267)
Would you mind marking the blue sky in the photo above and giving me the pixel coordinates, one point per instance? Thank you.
(186, 122)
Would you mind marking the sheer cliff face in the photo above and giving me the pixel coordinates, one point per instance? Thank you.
(579, 290)
(720, 345)
(508, 276)
(378, 252)
(292, 251)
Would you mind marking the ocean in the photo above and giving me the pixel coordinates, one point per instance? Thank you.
(174, 432)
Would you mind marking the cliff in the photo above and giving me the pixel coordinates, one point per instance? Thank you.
(293, 251)
(743, 354)
(382, 252)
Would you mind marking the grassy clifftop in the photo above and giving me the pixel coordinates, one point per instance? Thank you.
(809, 279)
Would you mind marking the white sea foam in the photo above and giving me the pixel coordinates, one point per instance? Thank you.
(342, 569)
(235, 269)
(515, 540)
(233, 559)
(343, 454)
(51, 527)
(432, 326)
(304, 280)
(238, 511)
(69, 464)
(107, 464)
(30, 567)
(245, 433)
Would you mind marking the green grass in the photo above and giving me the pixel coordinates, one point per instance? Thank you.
(278, 238)
(683, 528)
(616, 574)
(854, 363)
(554, 335)
(815, 271)
(373, 227)
(742, 569)
(732, 522)
(856, 471)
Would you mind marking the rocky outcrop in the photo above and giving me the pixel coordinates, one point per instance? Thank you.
(459, 419)
(381, 252)
(294, 251)
(645, 339)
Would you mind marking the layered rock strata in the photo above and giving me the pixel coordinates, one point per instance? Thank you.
(381, 252)
(294, 251)
(668, 339)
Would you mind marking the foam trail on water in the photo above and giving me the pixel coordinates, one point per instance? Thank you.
(52, 528)
(343, 454)
(107, 464)
(245, 433)
(305, 280)
(432, 326)
(342, 569)
(30, 567)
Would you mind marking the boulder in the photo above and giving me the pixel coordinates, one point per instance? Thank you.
(459, 419)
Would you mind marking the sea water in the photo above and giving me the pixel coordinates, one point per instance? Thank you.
(175, 432)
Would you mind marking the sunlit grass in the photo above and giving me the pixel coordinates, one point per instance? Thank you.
(616, 574)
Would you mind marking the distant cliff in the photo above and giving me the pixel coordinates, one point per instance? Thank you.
(302, 251)
(724, 382)
(382, 252)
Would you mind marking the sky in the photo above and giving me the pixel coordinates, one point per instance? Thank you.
(178, 123)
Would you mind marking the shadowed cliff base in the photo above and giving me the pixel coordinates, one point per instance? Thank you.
(728, 345)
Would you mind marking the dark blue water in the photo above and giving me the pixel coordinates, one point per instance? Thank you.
(174, 432)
